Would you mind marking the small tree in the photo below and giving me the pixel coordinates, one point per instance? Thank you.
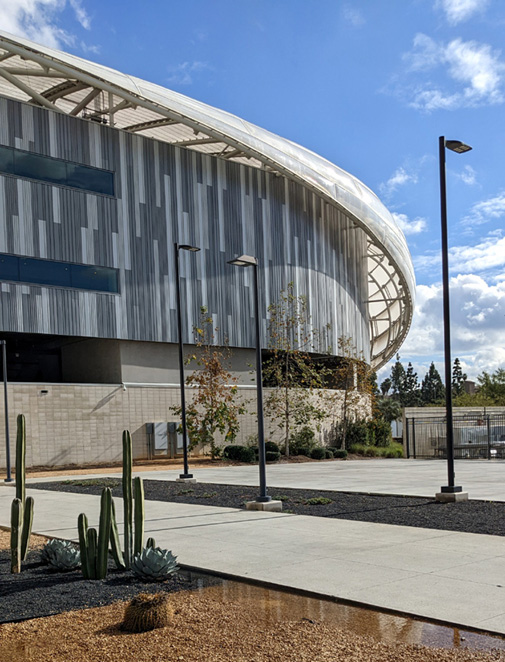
(290, 370)
(214, 408)
(398, 380)
(385, 386)
(432, 388)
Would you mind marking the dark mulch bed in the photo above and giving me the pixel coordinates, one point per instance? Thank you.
(38, 591)
(469, 516)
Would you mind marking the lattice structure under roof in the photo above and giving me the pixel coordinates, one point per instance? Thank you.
(58, 81)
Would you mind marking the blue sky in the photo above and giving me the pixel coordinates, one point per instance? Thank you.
(369, 85)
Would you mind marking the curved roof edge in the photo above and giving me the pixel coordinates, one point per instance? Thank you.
(72, 85)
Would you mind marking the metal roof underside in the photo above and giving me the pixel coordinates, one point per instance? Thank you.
(68, 84)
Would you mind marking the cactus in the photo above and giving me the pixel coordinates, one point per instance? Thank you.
(154, 564)
(61, 555)
(82, 527)
(127, 497)
(138, 490)
(16, 529)
(104, 533)
(20, 459)
(27, 526)
(151, 542)
(114, 540)
(91, 552)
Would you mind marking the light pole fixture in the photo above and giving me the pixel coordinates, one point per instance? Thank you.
(193, 249)
(8, 479)
(449, 492)
(250, 261)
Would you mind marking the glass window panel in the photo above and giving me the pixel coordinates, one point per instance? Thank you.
(94, 278)
(44, 272)
(9, 267)
(91, 179)
(6, 160)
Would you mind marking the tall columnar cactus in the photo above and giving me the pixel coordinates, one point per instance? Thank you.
(115, 543)
(27, 526)
(104, 533)
(127, 497)
(25, 507)
(21, 459)
(16, 526)
(82, 527)
(138, 490)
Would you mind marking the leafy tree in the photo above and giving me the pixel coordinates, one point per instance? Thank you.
(432, 388)
(492, 386)
(214, 408)
(295, 400)
(412, 394)
(458, 379)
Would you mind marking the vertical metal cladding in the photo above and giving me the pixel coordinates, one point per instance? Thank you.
(166, 194)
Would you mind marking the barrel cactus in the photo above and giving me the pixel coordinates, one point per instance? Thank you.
(61, 555)
(154, 564)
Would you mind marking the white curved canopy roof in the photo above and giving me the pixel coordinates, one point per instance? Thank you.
(68, 84)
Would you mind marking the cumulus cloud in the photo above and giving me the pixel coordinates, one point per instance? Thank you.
(183, 73)
(408, 226)
(475, 70)
(468, 176)
(486, 210)
(457, 11)
(400, 177)
(353, 16)
(477, 321)
(486, 256)
(38, 20)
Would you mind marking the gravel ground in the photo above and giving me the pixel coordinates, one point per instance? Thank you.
(38, 591)
(468, 516)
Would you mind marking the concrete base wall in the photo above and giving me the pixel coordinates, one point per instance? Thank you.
(83, 423)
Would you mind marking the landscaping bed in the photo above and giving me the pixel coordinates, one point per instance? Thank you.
(471, 516)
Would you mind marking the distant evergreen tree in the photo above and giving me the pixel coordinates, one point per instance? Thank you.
(458, 379)
(432, 388)
(386, 386)
(398, 380)
(411, 391)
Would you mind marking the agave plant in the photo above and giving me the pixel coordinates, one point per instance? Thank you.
(61, 555)
(154, 564)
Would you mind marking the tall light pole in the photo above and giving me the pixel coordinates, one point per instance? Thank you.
(8, 479)
(193, 249)
(449, 492)
(250, 261)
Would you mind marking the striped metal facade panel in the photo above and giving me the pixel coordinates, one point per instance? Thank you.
(166, 194)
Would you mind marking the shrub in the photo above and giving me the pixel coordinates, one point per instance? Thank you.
(393, 450)
(272, 456)
(372, 451)
(329, 454)
(239, 453)
(302, 439)
(318, 501)
(271, 446)
(357, 449)
(318, 453)
(357, 433)
(340, 453)
(379, 432)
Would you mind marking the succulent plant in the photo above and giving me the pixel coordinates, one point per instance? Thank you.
(154, 564)
(147, 612)
(61, 555)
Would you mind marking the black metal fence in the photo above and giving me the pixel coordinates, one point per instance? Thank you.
(474, 437)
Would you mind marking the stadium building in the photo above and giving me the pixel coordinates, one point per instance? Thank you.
(100, 174)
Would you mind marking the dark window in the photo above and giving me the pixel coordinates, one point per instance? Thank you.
(60, 274)
(55, 171)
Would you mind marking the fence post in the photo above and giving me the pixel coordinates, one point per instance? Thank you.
(488, 438)
(414, 437)
(407, 420)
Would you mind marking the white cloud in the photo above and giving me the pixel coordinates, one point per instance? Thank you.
(486, 210)
(475, 70)
(467, 176)
(408, 226)
(353, 16)
(486, 256)
(457, 11)
(38, 20)
(183, 74)
(477, 322)
(400, 177)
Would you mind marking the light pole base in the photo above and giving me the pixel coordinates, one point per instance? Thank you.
(8, 480)
(186, 478)
(270, 506)
(450, 494)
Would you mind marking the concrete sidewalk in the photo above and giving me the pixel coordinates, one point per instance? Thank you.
(458, 578)
(481, 479)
